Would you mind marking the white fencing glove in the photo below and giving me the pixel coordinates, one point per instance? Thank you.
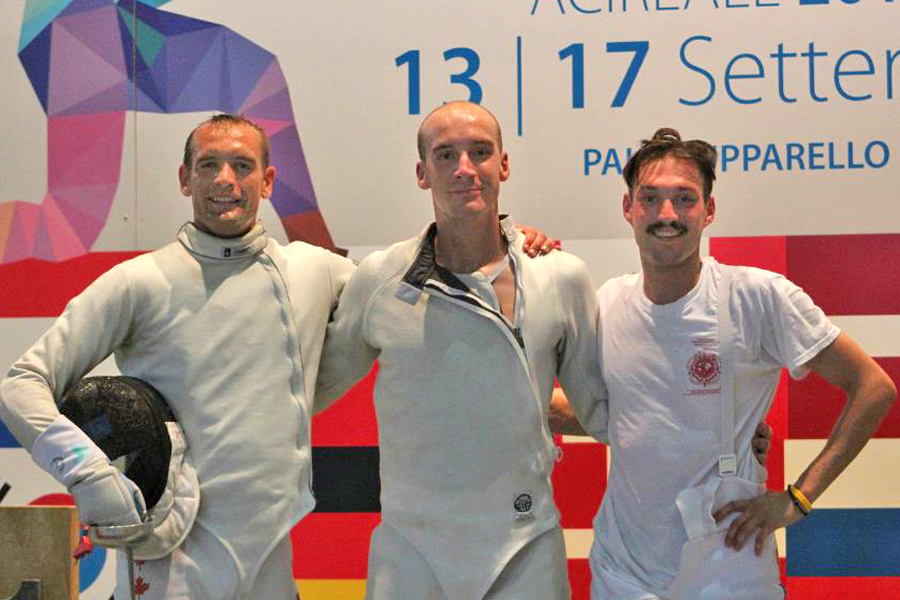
(103, 495)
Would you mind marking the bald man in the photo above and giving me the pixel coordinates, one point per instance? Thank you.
(470, 334)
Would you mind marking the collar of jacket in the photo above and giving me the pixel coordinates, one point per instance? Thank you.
(211, 246)
(424, 266)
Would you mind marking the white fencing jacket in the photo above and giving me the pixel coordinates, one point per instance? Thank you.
(462, 398)
(230, 332)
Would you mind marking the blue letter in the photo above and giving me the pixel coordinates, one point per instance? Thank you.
(850, 163)
(729, 76)
(885, 154)
(729, 154)
(693, 67)
(751, 153)
(812, 54)
(612, 160)
(583, 10)
(838, 73)
(795, 152)
(591, 157)
(771, 156)
(831, 163)
(890, 74)
(558, 2)
(815, 152)
(779, 57)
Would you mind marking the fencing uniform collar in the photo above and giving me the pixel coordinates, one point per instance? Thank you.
(211, 246)
(425, 265)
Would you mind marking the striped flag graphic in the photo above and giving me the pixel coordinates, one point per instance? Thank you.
(849, 548)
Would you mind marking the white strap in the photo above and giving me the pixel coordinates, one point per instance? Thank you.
(727, 456)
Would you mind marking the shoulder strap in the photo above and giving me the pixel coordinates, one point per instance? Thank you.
(727, 455)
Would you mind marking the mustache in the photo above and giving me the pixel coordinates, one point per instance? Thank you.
(653, 228)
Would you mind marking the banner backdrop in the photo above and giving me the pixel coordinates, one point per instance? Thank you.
(799, 96)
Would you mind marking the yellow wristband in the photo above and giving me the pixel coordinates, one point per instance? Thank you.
(799, 499)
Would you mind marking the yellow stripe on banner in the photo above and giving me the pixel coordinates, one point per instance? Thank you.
(578, 542)
(331, 589)
(869, 481)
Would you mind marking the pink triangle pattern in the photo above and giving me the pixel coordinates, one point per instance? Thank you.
(69, 60)
(85, 149)
(273, 127)
(271, 82)
(64, 241)
(98, 30)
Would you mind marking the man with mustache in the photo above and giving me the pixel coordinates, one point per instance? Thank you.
(691, 352)
(470, 334)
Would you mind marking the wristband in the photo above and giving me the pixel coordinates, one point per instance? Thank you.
(799, 499)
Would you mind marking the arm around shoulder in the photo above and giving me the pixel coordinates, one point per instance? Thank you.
(579, 370)
(347, 356)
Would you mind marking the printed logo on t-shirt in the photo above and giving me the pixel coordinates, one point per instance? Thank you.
(704, 369)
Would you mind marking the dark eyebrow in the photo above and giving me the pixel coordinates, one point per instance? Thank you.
(654, 188)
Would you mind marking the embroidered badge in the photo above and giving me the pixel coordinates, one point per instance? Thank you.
(703, 368)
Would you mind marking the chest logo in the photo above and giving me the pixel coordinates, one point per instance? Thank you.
(703, 368)
(523, 507)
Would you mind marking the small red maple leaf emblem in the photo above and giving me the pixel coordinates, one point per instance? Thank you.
(140, 586)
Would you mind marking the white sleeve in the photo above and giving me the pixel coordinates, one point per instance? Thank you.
(579, 370)
(92, 325)
(346, 356)
(794, 329)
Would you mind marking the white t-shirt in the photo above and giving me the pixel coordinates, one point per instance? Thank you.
(661, 367)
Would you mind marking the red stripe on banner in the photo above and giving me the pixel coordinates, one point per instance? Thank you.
(778, 421)
(815, 405)
(351, 420)
(580, 578)
(763, 252)
(843, 588)
(847, 274)
(38, 288)
(579, 480)
(333, 545)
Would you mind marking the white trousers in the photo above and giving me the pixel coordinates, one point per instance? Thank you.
(202, 569)
(606, 585)
(398, 571)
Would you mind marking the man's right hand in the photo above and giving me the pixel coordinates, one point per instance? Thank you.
(103, 495)
(107, 497)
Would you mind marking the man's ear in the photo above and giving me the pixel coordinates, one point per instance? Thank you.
(710, 211)
(422, 176)
(183, 177)
(626, 206)
(504, 166)
(269, 179)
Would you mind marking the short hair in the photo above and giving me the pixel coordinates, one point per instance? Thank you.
(225, 120)
(420, 136)
(667, 142)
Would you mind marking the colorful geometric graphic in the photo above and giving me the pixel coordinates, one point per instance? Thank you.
(90, 61)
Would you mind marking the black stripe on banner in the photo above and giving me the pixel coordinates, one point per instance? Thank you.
(345, 479)
(3, 491)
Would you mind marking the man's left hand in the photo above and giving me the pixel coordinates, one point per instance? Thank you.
(762, 439)
(537, 242)
(763, 515)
